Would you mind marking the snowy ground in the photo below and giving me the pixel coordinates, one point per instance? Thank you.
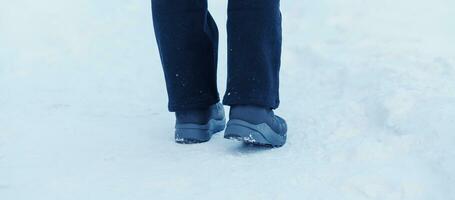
(83, 107)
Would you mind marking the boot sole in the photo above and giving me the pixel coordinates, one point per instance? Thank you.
(197, 133)
(260, 134)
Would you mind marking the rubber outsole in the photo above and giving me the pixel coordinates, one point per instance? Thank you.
(257, 134)
(197, 133)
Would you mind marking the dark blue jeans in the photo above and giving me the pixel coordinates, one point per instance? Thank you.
(187, 38)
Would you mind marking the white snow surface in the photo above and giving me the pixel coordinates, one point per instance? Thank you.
(367, 87)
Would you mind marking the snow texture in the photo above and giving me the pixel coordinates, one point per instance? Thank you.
(368, 88)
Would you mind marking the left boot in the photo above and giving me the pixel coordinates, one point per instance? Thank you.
(197, 126)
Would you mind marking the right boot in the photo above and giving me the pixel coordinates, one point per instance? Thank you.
(256, 125)
(197, 126)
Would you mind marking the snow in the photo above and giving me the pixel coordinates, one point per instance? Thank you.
(368, 89)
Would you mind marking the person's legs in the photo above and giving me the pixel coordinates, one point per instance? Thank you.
(187, 39)
(254, 53)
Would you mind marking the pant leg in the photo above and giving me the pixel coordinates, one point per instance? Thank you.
(187, 39)
(254, 53)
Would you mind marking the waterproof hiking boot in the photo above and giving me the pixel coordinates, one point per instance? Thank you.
(196, 126)
(256, 125)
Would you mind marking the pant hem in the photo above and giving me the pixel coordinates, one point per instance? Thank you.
(256, 102)
(193, 106)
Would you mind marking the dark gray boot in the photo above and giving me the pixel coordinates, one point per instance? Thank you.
(196, 126)
(256, 125)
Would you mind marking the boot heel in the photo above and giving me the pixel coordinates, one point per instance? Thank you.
(195, 133)
(260, 134)
(189, 136)
(240, 132)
